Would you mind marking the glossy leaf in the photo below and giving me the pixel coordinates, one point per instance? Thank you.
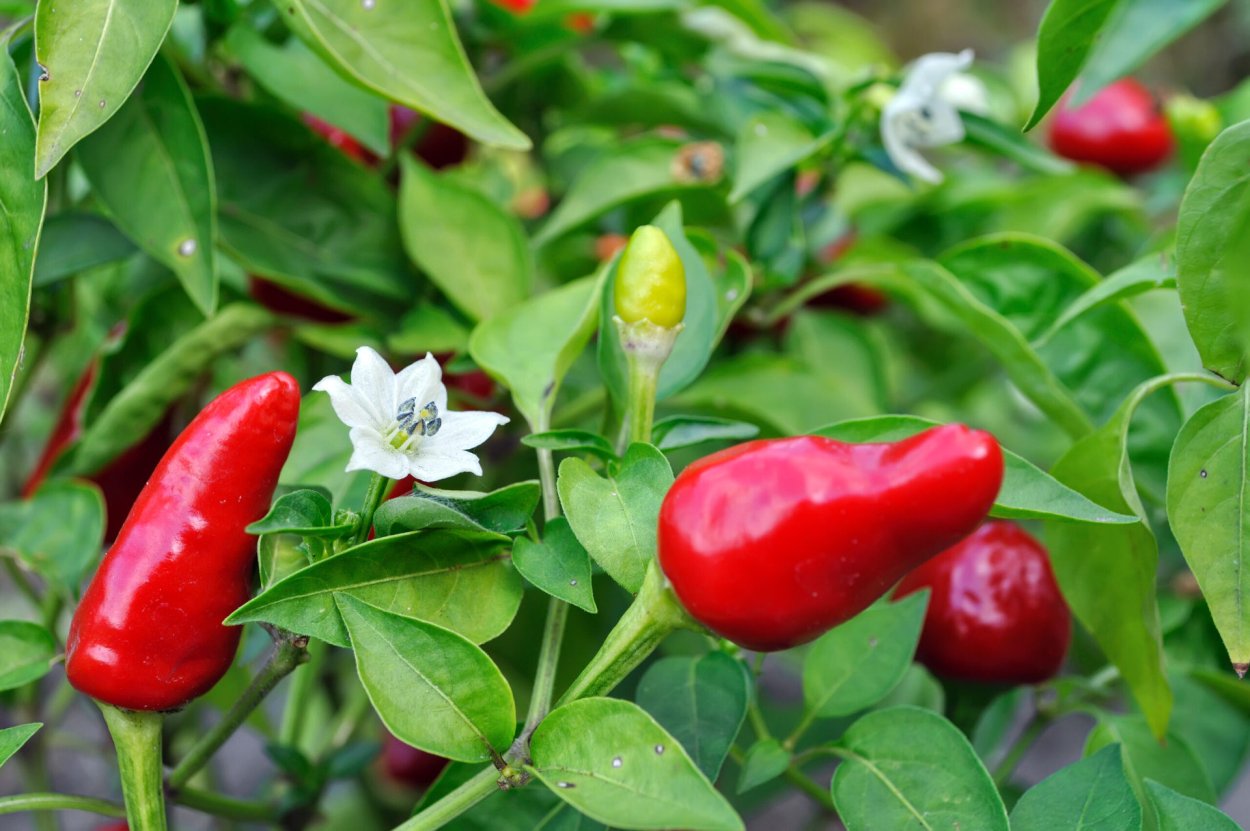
(904, 768)
(507, 509)
(765, 761)
(23, 202)
(149, 165)
(74, 242)
(471, 248)
(459, 580)
(676, 432)
(1171, 761)
(1091, 795)
(1177, 812)
(856, 664)
(700, 700)
(93, 54)
(433, 689)
(768, 144)
(610, 760)
(530, 347)
(558, 564)
(12, 739)
(578, 441)
(1068, 33)
(372, 43)
(26, 653)
(57, 533)
(304, 512)
(615, 517)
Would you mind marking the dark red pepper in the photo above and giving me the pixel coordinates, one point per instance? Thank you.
(515, 6)
(65, 432)
(439, 147)
(283, 301)
(774, 542)
(405, 765)
(995, 612)
(1121, 128)
(340, 139)
(148, 634)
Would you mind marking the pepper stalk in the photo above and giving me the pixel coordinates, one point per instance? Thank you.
(137, 738)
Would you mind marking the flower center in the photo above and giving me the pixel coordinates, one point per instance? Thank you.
(413, 424)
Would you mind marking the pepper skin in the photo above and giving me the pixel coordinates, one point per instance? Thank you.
(995, 614)
(405, 765)
(148, 634)
(1120, 128)
(283, 301)
(774, 542)
(340, 139)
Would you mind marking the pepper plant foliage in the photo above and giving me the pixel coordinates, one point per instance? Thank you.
(197, 193)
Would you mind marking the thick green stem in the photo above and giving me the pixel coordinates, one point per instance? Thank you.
(642, 381)
(455, 803)
(59, 802)
(137, 738)
(378, 486)
(289, 652)
(224, 806)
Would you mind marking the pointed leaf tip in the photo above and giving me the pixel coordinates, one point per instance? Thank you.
(1240, 669)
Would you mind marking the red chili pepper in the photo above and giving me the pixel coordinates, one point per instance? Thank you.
(515, 6)
(114, 826)
(995, 612)
(773, 542)
(439, 147)
(341, 139)
(66, 431)
(606, 246)
(283, 301)
(407, 766)
(147, 634)
(1121, 128)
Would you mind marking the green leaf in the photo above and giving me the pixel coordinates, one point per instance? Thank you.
(26, 653)
(1213, 726)
(700, 700)
(530, 347)
(557, 565)
(1171, 761)
(1027, 491)
(1068, 33)
(1091, 795)
(74, 242)
(612, 762)
(676, 432)
(372, 43)
(996, 723)
(433, 689)
(149, 165)
(12, 739)
(1153, 271)
(297, 76)
(23, 200)
(615, 517)
(456, 579)
(320, 454)
(1209, 222)
(579, 441)
(770, 143)
(903, 767)
(93, 58)
(501, 511)
(1207, 502)
(1010, 143)
(280, 556)
(304, 512)
(133, 412)
(1177, 812)
(764, 762)
(1135, 31)
(57, 533)
(471, 248)
(856, 664)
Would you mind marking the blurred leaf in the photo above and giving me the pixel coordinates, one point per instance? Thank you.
(610, 760)
(1011, 144)
(507, 509)
(1177, 812)
(997, 720)
(26, 653)
(471, 248)
(12, 739)
(93, 59)
(1153, 271)
(320, 453)
(304, 512)
(1171, 761)
(1090, 795)
(769, 144)
(433, 689)
(558, 564)
(1067, 35)
(917, 689)
(57, 533)
(580, 441)
(428, 328)
(765, 761)
(1215, 728)
(675, 432)
(371, 43)
(74, 242)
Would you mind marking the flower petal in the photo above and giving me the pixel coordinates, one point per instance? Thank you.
(431, 464)
(418, 380)
(903, 154)
(347, 405)
(463, 431)
(370, 452)
(374, 382)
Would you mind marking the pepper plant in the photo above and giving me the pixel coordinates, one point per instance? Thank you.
(585, 414)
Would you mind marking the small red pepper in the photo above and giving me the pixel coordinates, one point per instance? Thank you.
(114, 826)
(995, 613)
(283, 301)
(774, 542)
(407, 766)
(148, 634)
(440, 146)
(340, 139)
(515, 6)
(1121, 128)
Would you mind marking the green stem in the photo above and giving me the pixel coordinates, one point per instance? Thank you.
(800, 780)
(22, 582)
(289, 652)
(224, 806)
(641, 401)
(548, 663)
(1004, 769)
(59, 802)
(302, 687)
(378, 486)
(137, 738)
(455, 803)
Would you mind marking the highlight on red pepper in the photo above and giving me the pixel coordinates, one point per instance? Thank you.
(148, 633)
(1121, 128)
(773, 542)
(995, 613)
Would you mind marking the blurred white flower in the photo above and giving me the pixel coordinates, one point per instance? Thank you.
(925, 110)
(400, 424)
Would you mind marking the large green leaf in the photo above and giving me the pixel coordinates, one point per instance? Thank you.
(1177, 812)
(1170, 761)
(501, 511)
(1091, 795)
(768, 144)
(26, 653)
(433, 689)
(610, 760)
(1068, 33)
(1153, 271)
(93, 54)
(908, 769)
(12, 739)
(408, 52)
(471, 248)
(22, 202)
(57, 533)
(558, 564)
(149, 165)
(73, 242)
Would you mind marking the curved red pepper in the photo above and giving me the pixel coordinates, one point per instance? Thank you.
(995, 612)
(147, 634)
(283, 301)
(773, 542)
(66, 431)
(1120, 128)
(406, 765)
(340, 139)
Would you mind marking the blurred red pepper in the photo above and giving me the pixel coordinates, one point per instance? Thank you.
(283, 301)
(856, 298)
(148, 633)
(773, 542)
(515, 6)
(341, 139)
(440, 146)
(1121, 128)
(405, 765)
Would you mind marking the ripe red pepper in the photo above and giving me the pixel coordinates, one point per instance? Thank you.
(773, 542)
(148, 634)
(405, 765)
(114, 826)
(995, 612)
(1121, 128)
(515, 6)
(439, 147)
(340, 139)
(283, 301)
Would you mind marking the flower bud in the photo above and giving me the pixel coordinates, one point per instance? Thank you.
(650, 280)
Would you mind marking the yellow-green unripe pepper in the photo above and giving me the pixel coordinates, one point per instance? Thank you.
(650, 280)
